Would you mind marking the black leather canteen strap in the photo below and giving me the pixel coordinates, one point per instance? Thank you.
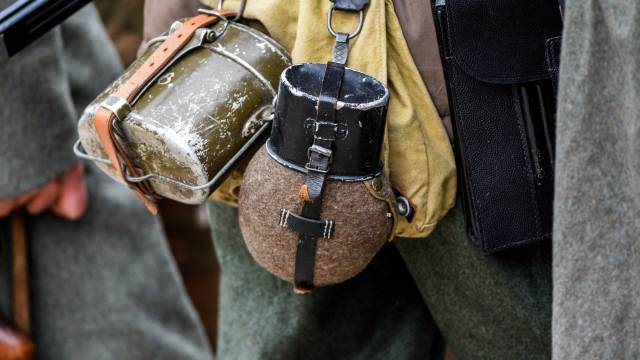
(316, 228)
(326, 128)
(350, 5)
(320, 154)
(310, 231)
(306, 250)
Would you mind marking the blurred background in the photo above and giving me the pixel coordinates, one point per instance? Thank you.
(186, 226)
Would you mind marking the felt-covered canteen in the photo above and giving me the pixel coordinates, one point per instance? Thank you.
(315, 206)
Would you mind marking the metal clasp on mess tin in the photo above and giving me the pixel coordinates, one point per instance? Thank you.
(243, 6)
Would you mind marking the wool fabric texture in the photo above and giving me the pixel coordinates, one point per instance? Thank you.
(487, 307)
(362, 223)
(596, 252)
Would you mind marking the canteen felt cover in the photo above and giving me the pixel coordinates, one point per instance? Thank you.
(362, 225)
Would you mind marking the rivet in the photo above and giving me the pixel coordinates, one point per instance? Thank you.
(210, 36)
(402, 208)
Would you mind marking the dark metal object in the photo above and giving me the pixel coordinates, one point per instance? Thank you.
(404, 208)
(362, 106)
(25, 21)
(335, 33)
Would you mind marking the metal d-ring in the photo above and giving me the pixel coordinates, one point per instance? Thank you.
(335, 33)
(243, 6)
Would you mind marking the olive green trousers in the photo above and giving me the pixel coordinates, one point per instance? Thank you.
(414, 292)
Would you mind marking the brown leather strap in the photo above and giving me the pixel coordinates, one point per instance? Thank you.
(15, 343)
(104, 117)
(20, 273)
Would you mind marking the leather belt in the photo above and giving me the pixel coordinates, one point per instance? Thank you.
(108, 113)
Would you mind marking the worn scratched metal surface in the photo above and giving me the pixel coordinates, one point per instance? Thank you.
(198, 113)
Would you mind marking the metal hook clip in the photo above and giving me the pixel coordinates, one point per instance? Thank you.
(243, 5)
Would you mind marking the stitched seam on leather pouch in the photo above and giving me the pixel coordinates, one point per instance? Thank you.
(471, 201)
(523, 145)
(530, 240)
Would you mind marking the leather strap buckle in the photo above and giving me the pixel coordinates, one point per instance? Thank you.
(320, 162)
(320, 150)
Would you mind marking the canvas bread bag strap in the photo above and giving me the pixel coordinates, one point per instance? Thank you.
(117, 106)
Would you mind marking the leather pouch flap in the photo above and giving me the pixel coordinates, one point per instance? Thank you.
(502, 41)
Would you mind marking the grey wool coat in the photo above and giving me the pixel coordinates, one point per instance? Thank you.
(104, 287)
(596, 302)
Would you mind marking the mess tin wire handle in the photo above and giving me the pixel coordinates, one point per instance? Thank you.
(240, 14)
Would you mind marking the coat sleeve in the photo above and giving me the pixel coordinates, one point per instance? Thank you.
(36, 112)
(596, 252)
(41, 90)
(91, 60)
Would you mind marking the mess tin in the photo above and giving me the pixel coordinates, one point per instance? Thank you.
(196, 118)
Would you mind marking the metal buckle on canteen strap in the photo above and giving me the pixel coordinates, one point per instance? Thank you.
(323, 152)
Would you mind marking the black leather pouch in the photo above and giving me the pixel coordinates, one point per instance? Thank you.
(495, 58)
